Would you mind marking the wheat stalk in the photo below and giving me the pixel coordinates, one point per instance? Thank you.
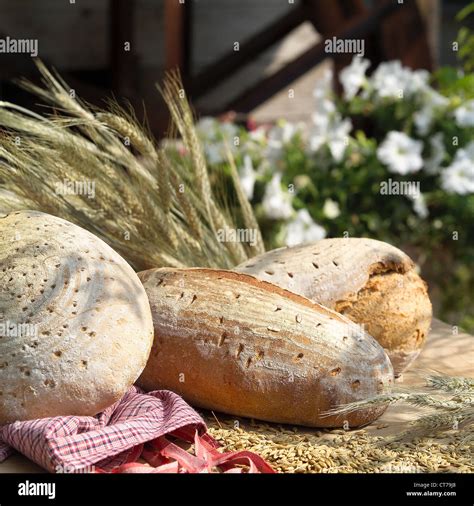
(451, 383)
(450, 400)
(175, 98)
(153, 208)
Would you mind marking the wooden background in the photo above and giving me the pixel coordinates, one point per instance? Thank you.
(76, 38)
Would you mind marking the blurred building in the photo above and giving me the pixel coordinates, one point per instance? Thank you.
(86, 41)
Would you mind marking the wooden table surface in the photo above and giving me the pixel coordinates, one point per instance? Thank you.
(445, 352)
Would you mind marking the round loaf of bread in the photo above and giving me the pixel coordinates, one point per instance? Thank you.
(369, 281)
(75, 323)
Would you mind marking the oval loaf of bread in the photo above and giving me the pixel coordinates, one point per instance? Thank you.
(75, 323)
(369, 281)
(230, 342)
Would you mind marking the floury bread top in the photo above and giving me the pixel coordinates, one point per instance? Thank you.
(371, 282)
(230, 342)
(76, 322)
(339, 266)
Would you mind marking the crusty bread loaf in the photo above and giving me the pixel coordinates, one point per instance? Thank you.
(371, 282)
(75, 322)
(229, 342)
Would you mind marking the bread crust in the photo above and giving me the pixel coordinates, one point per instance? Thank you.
(369, 281)
(230, 342)
(81, 328)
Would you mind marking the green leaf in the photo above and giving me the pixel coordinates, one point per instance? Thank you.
(465, 12)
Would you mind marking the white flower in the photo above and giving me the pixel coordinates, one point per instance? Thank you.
(466, 152)
(328, 126)
(276, 204)
(258, 135)
(229, 130)
(400, 153)
(282, 133)
(207, 127)
(432, 98)
(465, 114)
(423, 120)
(353, 77)
(392, 80)
(278, 136)
(388, 79)
(419, 204)
(324, 103)
(459, 177)
(331, 209)
(433, 163)
(256, 142)
(335, 135)
(324, 85)
(417, 80)
(303, 229)
(431, 102)
(338, 138)
(247, 177)
(214, 152)
(325, 110)
(212, 132)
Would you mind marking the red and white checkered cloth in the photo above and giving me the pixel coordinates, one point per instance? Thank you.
(136, 427)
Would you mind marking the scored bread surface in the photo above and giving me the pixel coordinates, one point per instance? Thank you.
(230, 342)
(80, 314)
(369, 281)
(340, 266)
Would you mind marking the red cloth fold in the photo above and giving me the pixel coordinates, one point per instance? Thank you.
(136, 427)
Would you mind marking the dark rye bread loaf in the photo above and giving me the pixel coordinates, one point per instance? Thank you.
(369, 281)
(229, 342)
